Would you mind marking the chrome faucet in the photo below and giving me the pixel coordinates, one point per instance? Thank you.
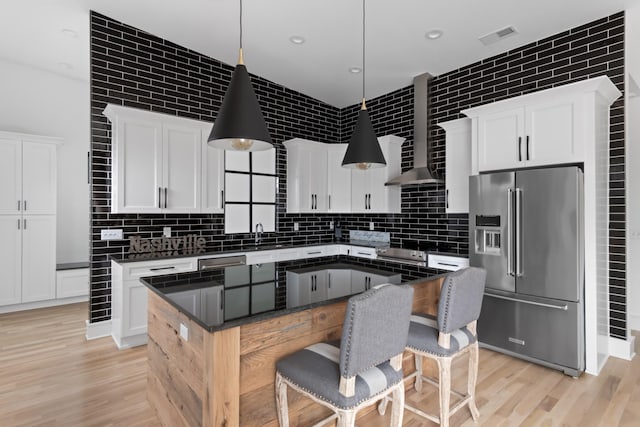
(259, 231)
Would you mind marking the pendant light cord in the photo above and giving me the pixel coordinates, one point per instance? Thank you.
(240, 24)
(363, 49)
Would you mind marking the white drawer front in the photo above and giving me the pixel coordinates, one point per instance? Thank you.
(450, 263)
(363, 252)
(157, 268)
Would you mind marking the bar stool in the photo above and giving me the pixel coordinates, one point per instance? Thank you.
(450, 335)
(364, 366)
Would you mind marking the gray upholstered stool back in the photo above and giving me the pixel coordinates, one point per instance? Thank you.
(461, 298)
(375, 329)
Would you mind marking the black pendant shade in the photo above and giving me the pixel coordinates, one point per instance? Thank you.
(364, 150)
(240, 124)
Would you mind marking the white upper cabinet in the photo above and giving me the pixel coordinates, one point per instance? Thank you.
(306, 176)
(458, 164)
(539, 129)
(338, 180)
(368, 192)
(157, 164)
(212, 176)
(317, 182)
(181, 166)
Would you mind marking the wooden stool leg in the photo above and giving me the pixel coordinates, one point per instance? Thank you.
(418, 361)
(444, 365)
(281, 401)
(473, 378)
(382, 406)
(346, 419)
(397, 407)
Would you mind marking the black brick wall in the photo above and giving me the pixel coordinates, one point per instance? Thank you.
(130, 67)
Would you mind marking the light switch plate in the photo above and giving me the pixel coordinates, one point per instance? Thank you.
(166, 231)
(371, 226)
(184, 332)
(111, 234)
(296, 226)
(330, 225)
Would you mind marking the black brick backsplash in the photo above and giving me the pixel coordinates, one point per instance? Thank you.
(133, 68)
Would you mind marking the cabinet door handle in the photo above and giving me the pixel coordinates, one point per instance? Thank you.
(447, 198)
(222, 199)
(519, 148)
(329, 280)
(527, 147)
(162, 268)
(329, 197)
(369, 200)
(18, 204)
(24, 226)
(159, 198)
(24, 205)
(165, 197)
(18, 224)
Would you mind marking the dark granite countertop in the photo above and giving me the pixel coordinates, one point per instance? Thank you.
(222, 250)
(234, 296)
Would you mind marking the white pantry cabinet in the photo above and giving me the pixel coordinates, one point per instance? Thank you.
(156, 162)
(457, 164)
(129, 296)
(27, 218)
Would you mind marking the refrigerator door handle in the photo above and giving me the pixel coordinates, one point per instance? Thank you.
(563, 307)
(518, 220)
(509, 241)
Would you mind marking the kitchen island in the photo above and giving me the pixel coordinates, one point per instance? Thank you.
(214, 337)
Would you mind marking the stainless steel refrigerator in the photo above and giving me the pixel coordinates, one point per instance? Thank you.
(526, 230)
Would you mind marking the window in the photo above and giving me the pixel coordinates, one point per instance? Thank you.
(250, 191)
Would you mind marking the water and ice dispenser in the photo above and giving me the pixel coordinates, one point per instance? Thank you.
(488, 236)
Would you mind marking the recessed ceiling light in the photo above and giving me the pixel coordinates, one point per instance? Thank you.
(355, 70)
(296, 39)
(433, 34)
(65, 65)
(70, 33)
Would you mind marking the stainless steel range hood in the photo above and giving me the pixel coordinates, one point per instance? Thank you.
(421, 173)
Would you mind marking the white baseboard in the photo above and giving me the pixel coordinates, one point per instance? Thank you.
(42, 304)
(623, 349)
(98, 329)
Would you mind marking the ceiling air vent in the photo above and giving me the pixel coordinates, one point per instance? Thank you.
(497, 35)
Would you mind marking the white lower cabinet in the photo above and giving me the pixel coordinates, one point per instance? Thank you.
(129, 296)
(72, 283)
(338, 283)
(27, 258)
(363, 281)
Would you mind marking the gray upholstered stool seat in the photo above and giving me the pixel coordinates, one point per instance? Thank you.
(365, 366)
(316, 369)
(423, 336)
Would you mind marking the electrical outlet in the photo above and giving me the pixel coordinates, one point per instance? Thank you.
(371, 226)
(296, 226)
(184, 332)
(330, 225)
(166, 231)
(111, 234)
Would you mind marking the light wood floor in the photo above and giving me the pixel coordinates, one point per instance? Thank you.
(51, 376)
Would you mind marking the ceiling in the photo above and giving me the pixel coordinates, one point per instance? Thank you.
(397, 49)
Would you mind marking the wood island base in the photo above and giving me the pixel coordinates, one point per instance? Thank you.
(226, 377)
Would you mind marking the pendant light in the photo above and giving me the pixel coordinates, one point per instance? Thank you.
(240, 125)
(363, 151)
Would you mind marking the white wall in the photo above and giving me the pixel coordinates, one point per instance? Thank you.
(632, 54)
(44, 103)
